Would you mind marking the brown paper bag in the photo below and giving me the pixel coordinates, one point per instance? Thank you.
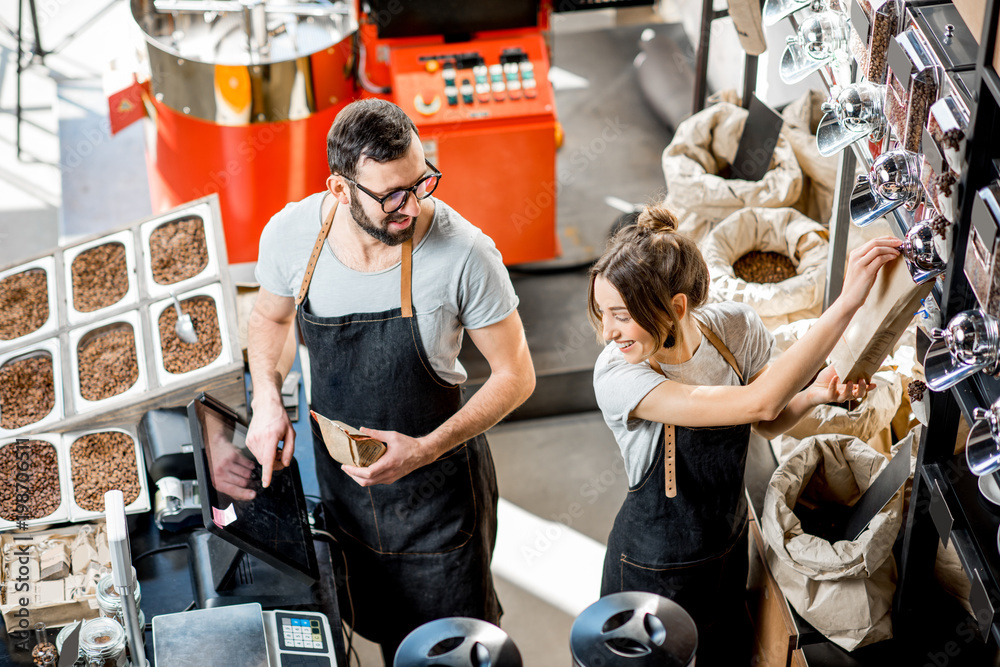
(844, 589)
(347, 444)
(880, 322)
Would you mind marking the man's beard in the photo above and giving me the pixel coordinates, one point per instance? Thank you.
(379, 231)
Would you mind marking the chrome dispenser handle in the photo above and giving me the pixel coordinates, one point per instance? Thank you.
(980, 414)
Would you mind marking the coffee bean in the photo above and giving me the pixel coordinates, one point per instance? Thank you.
(181, 357)
(29, 480)
(883, 29)
(100, 277)
(915, 390)
(923, 93)
(763, 267)
(27, 390)
(100, 462)
(107, 362)
(177, 250)
(24, 302)
(939, 224)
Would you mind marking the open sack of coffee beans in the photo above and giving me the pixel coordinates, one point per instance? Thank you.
(698, 162)
(842, 587)
(818, 173)
(773, 259)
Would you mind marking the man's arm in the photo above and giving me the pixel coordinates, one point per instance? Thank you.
(267, 348)
(511, 381)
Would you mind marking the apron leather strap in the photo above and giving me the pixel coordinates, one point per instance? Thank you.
(721, 347)
(314, 257)
(669, 454)
(406, 273)
(669, 444)
(405, 291)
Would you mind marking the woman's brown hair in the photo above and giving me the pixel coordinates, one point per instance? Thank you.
(649, 263)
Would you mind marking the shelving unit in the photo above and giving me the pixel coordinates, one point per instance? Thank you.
(946, 503)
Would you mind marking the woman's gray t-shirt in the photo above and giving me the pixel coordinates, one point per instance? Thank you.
(459, 280)
(620, 386)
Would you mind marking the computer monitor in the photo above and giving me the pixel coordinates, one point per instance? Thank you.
(419, 18)
(274, 525)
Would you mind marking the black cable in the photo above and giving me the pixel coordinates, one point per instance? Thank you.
(151, 552)
(328, 537)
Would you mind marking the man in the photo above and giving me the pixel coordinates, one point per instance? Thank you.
(382, 280)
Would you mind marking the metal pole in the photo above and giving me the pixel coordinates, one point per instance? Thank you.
(20, 68)
(749, 78)
(840, 226)
(701, 57)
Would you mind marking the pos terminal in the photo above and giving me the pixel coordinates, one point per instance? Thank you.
(256, 554)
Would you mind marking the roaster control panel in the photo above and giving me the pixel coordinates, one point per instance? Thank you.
(485, 79)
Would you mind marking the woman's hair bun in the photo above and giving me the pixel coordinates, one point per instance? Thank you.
(657, 218)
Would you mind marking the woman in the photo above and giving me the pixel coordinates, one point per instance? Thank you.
(674, 385)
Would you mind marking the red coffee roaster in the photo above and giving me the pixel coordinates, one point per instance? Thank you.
(473, 76)
(240, 95)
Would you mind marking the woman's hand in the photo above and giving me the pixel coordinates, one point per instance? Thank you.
(828, 389)
(862, 267)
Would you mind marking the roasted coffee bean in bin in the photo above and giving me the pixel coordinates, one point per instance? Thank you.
(29, 480)
(181, 357)
(100, 277)
(178, 250)
(764, 267)
(27, 390)
(107, 361)
(100, 462)
(24, 302)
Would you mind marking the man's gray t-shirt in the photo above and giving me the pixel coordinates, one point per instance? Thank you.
(620, 386)
(459, 280)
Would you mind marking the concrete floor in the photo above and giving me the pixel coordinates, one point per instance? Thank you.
(560, 478)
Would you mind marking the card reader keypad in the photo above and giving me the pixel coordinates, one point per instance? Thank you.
(301, 633)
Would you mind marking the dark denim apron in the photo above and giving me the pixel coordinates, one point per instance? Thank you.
(691, 547)
(420, 548)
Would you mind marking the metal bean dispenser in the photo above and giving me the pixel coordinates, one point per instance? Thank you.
(969, 344)
(921, 254)
(982, 447)
(913, 84)
(874, 23)
(894, 181)
(775, 10)
(855, 114)
(822, 39)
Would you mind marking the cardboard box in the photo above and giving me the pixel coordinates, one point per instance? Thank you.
(775, 634)
(879, 323)
(27, 600)
(973, 12)
(54, 562)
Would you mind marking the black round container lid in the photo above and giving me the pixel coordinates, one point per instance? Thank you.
(633, 629)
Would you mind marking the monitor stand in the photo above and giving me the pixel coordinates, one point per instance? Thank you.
(222, 574)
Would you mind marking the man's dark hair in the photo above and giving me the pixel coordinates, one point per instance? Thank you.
(373, 129)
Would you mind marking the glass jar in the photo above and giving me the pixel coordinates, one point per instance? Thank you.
(102, 643)
(111, 603)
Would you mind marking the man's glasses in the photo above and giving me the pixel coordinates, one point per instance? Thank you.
(396, 199)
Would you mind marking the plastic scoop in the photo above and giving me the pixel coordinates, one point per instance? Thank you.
(184, 327)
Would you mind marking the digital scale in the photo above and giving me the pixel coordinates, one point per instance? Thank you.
(244, 635)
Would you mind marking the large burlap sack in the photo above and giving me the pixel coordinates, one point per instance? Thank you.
(843, 589)
(781, 230)
(705, 145)
(818, 173)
